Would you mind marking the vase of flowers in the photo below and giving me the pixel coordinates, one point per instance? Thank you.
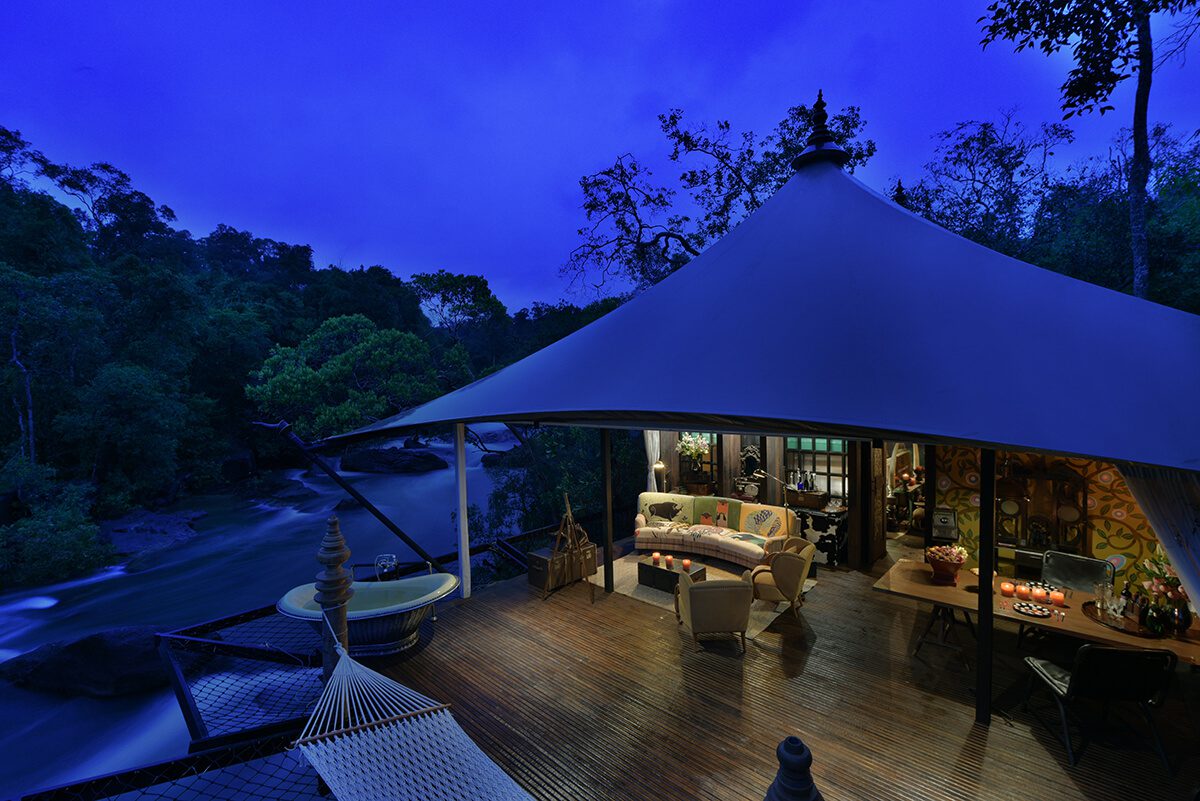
(1167, 596)
(693, 447)
(945, 560)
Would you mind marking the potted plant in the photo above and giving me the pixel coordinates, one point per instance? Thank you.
(1168, 598)
(945, 560)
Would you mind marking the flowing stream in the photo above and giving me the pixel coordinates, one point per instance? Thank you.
(246, 555)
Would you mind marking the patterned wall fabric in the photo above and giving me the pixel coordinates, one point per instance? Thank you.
(1117, 529)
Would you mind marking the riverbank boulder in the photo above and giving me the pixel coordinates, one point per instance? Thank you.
(143, 532)
(393, 460)
(121, 661)
(275, 488)
(510, 458)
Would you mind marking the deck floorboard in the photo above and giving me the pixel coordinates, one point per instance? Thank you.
(612, 700)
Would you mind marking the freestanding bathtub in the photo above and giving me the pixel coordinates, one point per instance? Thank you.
(384, 617)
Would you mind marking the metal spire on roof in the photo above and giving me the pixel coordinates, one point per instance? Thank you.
(821, 146)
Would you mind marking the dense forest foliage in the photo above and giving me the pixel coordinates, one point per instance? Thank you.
(135, 356)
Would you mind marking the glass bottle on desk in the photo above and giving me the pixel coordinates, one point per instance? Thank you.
(1125, 601)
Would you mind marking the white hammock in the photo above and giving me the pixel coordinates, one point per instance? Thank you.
(373, 739)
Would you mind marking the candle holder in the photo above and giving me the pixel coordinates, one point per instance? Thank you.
(687, 564)
(1008, 589)
(1058, 598)
(670, 560)
(1023, 592)
(654, 557)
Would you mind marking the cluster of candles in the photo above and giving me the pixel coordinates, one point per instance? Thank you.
(1026, 593)
(669, 560)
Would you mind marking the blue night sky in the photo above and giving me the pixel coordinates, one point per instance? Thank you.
(441, 135)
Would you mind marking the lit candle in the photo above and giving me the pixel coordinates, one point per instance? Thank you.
(687, 564)
(1007, 588)
(1039, 595)
(1023, 592)
(654, 557)
(1058, 598)
(670, 560)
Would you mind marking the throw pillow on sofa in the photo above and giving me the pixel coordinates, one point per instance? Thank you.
(765, 521)
(663, 508)
(719, 512)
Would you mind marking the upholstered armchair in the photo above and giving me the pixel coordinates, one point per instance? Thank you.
(714, 607)
(783, 577)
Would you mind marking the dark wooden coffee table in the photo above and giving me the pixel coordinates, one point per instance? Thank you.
(664, 578)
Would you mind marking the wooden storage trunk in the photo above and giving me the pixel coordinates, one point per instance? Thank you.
(560, 571)
(807, 499)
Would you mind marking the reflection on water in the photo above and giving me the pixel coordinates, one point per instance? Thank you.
(246, 555)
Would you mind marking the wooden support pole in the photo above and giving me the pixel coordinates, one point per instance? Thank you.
(931, 491)
(987, 564)
(464, 532)
(794, 781)
(606, 456)
(333, 592)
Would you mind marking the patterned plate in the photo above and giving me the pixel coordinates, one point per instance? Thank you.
(1031, 609)
(1047, 587)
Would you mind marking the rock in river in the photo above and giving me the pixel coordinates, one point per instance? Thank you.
(119, 661)
(144, 532)
(392, 460)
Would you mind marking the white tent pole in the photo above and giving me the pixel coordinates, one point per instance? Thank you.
(464, 534)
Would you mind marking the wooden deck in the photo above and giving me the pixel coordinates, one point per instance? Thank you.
(611, 701)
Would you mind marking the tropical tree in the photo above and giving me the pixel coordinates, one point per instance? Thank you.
(641, 231)
(1110, 41)
(987, 179)
(346, 374)
(454, 301)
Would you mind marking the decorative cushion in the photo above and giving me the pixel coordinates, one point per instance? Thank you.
(763, 520)
(660, 508)
(720, 512)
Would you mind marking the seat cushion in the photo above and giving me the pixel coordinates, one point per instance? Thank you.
(728, 543)
(658, 538)
(1056, 677)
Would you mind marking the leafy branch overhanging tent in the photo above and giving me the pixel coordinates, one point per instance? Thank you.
(921, 335)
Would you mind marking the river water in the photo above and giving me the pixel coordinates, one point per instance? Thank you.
(246, 555)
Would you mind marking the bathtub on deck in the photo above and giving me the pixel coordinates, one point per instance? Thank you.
(383, 617)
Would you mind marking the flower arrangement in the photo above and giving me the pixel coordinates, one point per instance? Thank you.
(1163, 582)
(693, 446)
(946, 553)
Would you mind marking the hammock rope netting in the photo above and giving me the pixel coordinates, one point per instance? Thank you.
(371, 738)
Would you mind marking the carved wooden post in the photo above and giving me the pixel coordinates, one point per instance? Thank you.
(333, 592)
(794, 781)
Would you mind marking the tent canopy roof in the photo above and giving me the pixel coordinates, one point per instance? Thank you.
(831, 308)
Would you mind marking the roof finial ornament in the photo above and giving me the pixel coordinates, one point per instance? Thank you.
(820, 144)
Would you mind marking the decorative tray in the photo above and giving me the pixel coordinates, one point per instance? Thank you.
(1035, 584)
(1121, 623)
(1031, 609)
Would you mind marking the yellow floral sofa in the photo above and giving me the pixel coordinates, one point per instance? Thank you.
(725, 528)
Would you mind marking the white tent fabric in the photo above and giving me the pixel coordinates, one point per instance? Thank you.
(916, 334)
(1170, 499)
(653, 454)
